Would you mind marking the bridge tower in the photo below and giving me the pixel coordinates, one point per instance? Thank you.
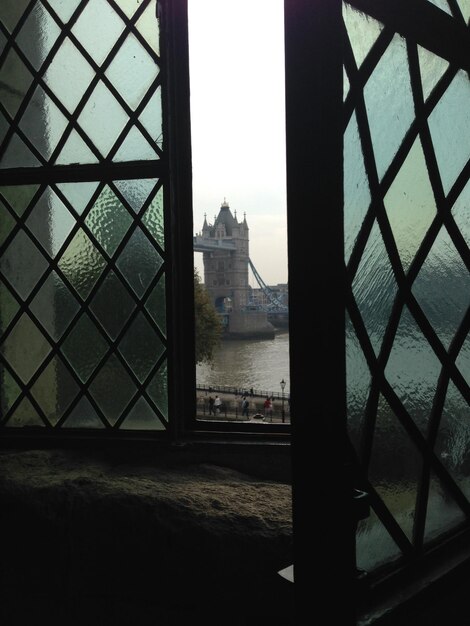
(226, 270)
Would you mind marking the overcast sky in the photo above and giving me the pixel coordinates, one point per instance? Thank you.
(237, 117)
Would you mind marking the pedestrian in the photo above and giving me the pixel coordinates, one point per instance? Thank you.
(245, 406)
(267, 407)
(211, 406)
(251, 392)
(217, 405)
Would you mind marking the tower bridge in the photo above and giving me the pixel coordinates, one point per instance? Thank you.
(225, 248)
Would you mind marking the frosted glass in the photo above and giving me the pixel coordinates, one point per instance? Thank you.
(108, 221)
(25, 415)
(64, 8)
(153, 219)
(78, 194)
(75, 150)
(345, 84)
(112, 305)
(356, 186)
(54, 390)
(147, 25)
(25, 348)
(82, 264)
(83, 416)
(50, 221)
(413, 370)
(112, 389)
(15, 80)
(465, 8)
(442, 287)
(443, 513)
(136, 192)
(156, 304)
(463, 360)
(363, 31)
(432, 67)
(135, 148)
(139, 262)
(9, 390)
(395, 467)
(375, 288)
(19, 196)
(11, 11)
(98, 28)
(22, 264)
(8, 307)
(84, 347)
(449, 124)
(18, 154)
(389, 103)
(141, 347)
(7, 223)
(374, 546)
(158, 389)
(358, 381)
(142, 417)
(441, 4)
(151, 117)
(461, 213)
(37, 35)
(410, 205)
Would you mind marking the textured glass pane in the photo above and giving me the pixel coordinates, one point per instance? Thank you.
(141, 417)
(112, 389)
(453, 440)
(374, 546)
(38, 34)
(132, 71)
(54, 306)
(136, 192)
(25, 348)
(443, 513)
(19, 196)
(442, 287)
(362, 32)
(64, 8)
(22, 264)
(25, 415)
(139, 262)
(432, 68)
(83, 416)
(82, 264)
(158, 389)
(7, 223)
(345, 84)
(128, 6)
(465, 8)
(69, 62)
(389, 103)
(84, 347)
(395, 467)
(78, 194)
(410, 204)
(358, 381)
(108, 221)
(153, 219)
(98, 28)
(463, 360)
(151, 117)
(9, 390)
(141, 347)
(3, 41)
(18, 155)
(135, 148)
(54, 390)
(441, 4)
(147, 25)
(50, 222)
(11, 11)
(75, 150)
(374, 287)
(356, 186)
(15, 80)
(102, 118)
(112, 305)
(461, 213)
(8, 307)
(449, 124)
(4, 126)
(156, 304)
(413, 370)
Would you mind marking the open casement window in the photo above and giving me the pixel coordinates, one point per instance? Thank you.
(406, 250)
(83, 197)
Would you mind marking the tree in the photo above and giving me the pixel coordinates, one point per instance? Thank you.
(208, 325)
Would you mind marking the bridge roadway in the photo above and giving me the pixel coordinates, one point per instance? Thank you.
(209, 245)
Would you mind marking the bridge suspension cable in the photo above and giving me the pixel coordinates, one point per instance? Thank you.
(274, 303)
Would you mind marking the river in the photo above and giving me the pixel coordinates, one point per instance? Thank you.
(257, 363)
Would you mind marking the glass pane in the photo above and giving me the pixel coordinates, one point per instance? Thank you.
(7, 223)
(108, 221)
(112, 305)
(38, 35)
(465, 8)
(139, 262)
(413, 370)
(22, 264)
(112, 389)
(449, 124)
(11, 12)
(136, 192)
(132, 71)
(153, 219)
(395, 467)
(374, 546)
(389, 103)
(84, 347)
(358, 380)
(147, 25)
(75, 150)
(25, 348)
(19, 196)
(83, 416)
(441, 4)
(442, 512)
(98, 28)
(9, 390)
(410, 205)
(158, 389)
(50, 222)
(156, 305)
(363, 31)
(82, 264)
(135, 148)
(54, 390)
(141, 417)
(25, 415)
(15, 80)
(375, 288)
(356, 186)
(8, 307)
(463, 360)
(345, 84)
(18, 155)
(141, 347)
(78, 194)
(432, 68)
(151, 117)
(442, 287)
(64, 8)
(461, 214)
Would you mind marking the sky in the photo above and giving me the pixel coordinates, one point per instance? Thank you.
(237, 123)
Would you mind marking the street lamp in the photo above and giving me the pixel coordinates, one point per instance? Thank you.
(283, 384)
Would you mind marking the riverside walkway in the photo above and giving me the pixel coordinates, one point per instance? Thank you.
(231, 408)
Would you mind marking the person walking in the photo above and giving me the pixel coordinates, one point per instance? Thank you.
(211, 406)
(245, 406)
(217, 405)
